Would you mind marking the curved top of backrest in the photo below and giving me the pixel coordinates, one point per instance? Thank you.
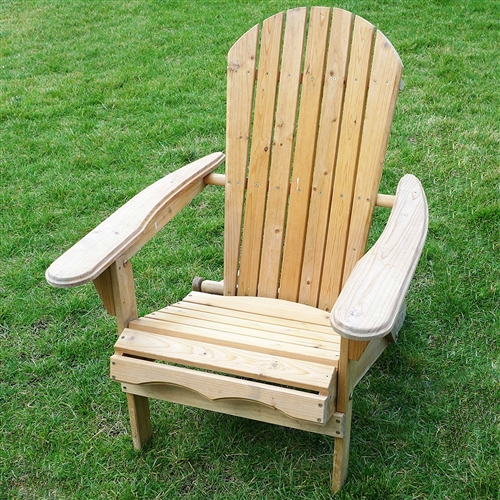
(310, 100)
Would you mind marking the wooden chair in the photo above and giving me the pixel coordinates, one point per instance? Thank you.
(302, 312)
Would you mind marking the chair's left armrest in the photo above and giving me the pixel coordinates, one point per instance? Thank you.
(372, 300)
(132, 225)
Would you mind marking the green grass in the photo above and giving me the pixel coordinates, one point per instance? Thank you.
(97, 100)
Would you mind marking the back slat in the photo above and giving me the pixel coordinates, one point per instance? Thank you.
(381, 101)
(350, 133)
(307, 129)
(240, 90)
(279, 178)
(265, 99)
(326, 155)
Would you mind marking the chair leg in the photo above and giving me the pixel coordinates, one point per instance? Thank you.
(341, 453)
(140, 419)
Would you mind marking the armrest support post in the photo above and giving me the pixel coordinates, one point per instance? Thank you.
(122, 280)
(104, 286)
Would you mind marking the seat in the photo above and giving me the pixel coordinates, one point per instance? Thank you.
(303, 310)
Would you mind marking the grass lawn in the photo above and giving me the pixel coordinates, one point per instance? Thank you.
(97, 100)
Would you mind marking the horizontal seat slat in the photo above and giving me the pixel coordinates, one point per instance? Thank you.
(239, 324)
(319, 331)
(263, 306)
(240, 362)
(244, 326)
(272, 344)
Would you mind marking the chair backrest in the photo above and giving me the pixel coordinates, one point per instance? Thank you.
(310, 102)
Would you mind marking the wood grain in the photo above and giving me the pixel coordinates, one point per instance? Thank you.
(122, 280)
(240, 362)
(305, 149)
(240, 408)
(242, 59)
(295, 404)
(104, 287)
(260, 154)
(326, 156)
(373, 296)
(282, 151)
(132, 225)
(345, 173)
(264, 307)
(380, 103)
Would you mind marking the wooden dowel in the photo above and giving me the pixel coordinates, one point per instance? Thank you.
(385, 200)
(208, 286)
(214, 287)
(215, 179)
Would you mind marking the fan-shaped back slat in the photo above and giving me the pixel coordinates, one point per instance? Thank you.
(283, 143)
(261, 144)
(326, 155)
(382, 94)
(240, 90)
(310, 135)
(305, 149)
(346, 168)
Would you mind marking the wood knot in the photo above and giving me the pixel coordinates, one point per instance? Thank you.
(355, 311)
(234, 66)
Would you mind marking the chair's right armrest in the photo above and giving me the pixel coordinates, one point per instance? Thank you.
(132, 225)
(371, 304)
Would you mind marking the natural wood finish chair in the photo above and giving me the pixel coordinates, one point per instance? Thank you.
(302, 312)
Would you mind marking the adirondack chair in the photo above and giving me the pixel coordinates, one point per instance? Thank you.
(302, 311)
